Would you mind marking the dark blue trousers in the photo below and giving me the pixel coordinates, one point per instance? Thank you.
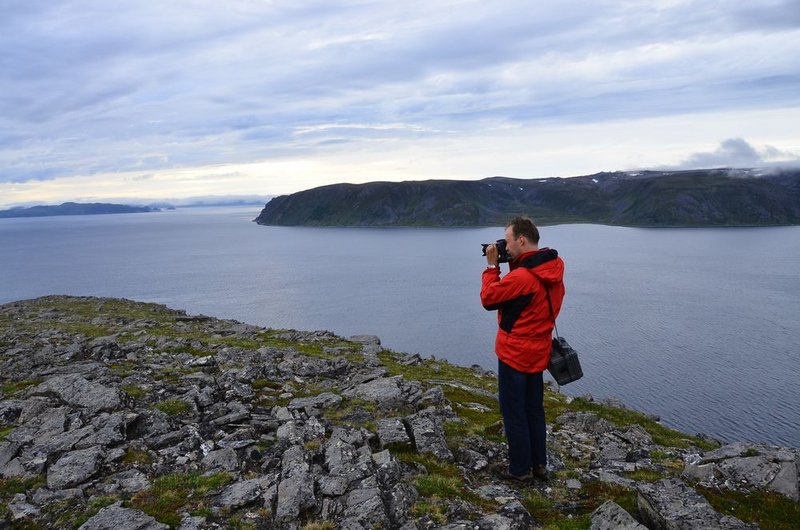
(521, 403)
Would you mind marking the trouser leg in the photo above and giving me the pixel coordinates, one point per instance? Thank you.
(513, 395)
(536, 421)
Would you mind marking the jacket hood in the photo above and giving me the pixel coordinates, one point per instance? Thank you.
(544, 262)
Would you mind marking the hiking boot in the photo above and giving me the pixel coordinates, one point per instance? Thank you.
(540, 473)
(519, 480)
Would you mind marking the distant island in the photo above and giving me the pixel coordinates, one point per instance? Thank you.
(695, 198)
(74, 208)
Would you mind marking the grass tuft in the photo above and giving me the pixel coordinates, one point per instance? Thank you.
(173, 407)
(173, 493)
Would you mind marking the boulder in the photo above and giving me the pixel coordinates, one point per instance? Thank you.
(74, 468)
(392, 431)
(74, 390)
(428, 434)
(612, 516)
(388, 392)
(315, 404)
(239, 494)
(669, 504)
(119, 518)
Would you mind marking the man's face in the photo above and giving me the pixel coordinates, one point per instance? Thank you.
(512, 243)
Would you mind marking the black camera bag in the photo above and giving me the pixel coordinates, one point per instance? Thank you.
(564, 365)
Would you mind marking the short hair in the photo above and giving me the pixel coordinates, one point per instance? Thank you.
(522, 226)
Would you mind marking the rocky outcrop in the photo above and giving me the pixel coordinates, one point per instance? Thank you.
(169, 420)
(742, 466)
(670, 504)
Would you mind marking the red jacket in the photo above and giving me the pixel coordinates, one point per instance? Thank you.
(525, 325)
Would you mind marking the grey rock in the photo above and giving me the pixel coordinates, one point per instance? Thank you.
(8, 451)
(46, 424)
(499, 493)
(44, 496)
(365, 339)
(400, 499)
(315, 404)
(434, 396)
(21, 509)
(574, 484)
(512, 516)
(748, 466)
(10, 410)
(192, 523)
(130, 481)
(670, 504)
(786, 482)
(333, 486)
(365, 505)
(74, 468)
(118, 518)
(612, 516)
(241, 494)
(428, 434)
(108, 430)
(233, 417)
(585, 421)
(472, 460)
(387, 468)
(392, 431)
(755, 471)
(342, 459)
(388, 392)
(221, 459)
(78, 392)
(291, 431)
(294, 461)
(726, 451)
(705, 473)
(295, 495)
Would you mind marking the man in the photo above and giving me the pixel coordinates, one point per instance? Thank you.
(524, 341)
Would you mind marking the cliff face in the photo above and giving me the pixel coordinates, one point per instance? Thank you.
(721, 197)
(124, 415)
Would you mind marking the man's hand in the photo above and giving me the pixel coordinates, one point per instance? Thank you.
(491, 255)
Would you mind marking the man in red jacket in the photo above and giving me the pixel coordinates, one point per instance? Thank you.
(524, 340)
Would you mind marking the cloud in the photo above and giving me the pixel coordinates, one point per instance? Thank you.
(103, 89)
(738, 153)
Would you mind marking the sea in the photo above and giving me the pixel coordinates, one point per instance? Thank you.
(700, 326)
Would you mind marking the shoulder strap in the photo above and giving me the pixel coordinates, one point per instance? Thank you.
(549, 302)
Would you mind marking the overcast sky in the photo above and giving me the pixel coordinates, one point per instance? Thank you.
(109, 99)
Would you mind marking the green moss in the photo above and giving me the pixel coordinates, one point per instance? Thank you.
(261, 384)
(769, 510)
(12, 388)
(432, 507)
(173, 493)
(135, 456)
(431, 369)
(5, 432)
(438, 485)
(134, 391)
(173, 407)
(319, 525)
(11, 486)
(173, 376)
(645, 475)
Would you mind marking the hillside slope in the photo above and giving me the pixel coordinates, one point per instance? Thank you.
(720, 197)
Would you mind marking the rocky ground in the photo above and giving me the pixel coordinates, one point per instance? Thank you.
(117, 414)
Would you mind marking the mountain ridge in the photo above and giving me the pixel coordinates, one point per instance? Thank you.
(75, 208)
(691, 198)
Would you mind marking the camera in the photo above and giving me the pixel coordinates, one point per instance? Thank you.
(502, 251)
